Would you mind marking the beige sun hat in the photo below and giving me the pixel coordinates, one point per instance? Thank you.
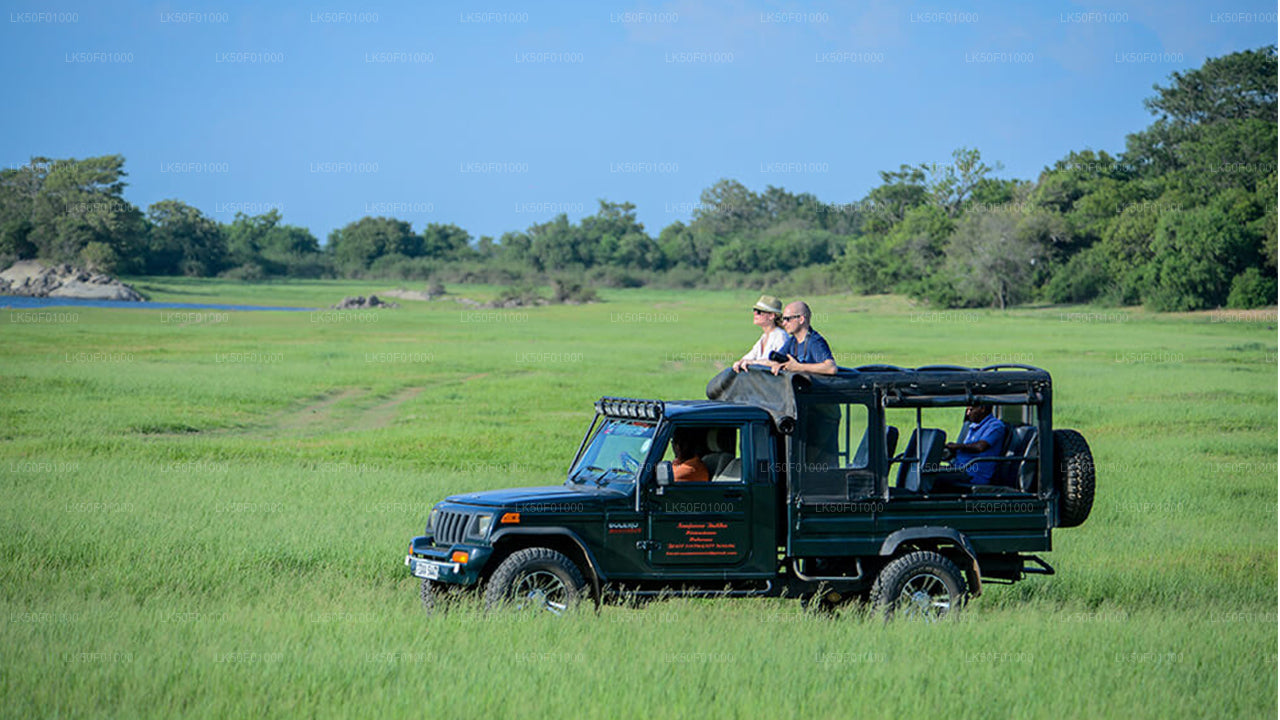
(768, 303)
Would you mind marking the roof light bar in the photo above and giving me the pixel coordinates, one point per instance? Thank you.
(630, 408)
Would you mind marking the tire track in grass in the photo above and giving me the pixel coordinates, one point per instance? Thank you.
(382, 415)
(320, 413)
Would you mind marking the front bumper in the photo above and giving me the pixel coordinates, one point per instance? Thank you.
(436, 563)
(431, 569)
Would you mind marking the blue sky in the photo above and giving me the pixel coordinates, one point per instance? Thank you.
(497, 116)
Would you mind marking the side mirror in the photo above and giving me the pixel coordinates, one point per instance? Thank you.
(663, 473)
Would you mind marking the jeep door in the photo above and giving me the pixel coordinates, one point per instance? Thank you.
(709, 523)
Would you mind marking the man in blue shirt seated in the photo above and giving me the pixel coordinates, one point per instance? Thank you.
(806, 350)
(985, 438)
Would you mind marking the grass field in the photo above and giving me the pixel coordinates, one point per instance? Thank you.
(205, 514)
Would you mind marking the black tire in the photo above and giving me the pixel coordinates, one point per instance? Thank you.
(536, 579)
(1073, 477)
(921, 585)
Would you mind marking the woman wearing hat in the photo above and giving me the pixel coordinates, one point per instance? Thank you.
(767, 315)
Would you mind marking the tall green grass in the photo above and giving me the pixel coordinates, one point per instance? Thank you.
(205, 514)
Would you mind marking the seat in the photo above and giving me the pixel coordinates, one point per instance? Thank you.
(1025, 478)
(731, 472)
(721, 450)
(910, 473)
(1009, 474)
(861, 457)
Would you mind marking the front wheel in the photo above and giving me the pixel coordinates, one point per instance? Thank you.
(437, 596)
(921, 585)
(536, 580)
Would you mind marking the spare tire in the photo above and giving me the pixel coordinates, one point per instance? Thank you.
(1073, 477)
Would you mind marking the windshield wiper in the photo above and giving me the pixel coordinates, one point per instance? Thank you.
(600, 479)
(578, 474)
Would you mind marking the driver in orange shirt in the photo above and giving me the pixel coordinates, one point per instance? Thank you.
(687, 466)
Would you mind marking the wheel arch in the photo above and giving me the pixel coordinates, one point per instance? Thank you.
(949, 541)
(563, 540)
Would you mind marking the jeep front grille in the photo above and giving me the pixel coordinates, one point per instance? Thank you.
(451, 527)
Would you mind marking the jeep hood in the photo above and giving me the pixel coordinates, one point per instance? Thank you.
(514, 497)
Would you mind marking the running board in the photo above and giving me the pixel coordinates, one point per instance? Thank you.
(768, 587)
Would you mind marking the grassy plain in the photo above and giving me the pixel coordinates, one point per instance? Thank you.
(204, 514)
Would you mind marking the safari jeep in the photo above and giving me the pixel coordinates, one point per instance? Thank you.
(828, 487)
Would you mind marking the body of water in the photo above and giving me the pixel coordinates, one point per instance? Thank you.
(18, 302)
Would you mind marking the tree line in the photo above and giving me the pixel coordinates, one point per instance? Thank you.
(1183, 219)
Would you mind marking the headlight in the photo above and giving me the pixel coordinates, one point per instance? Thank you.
(431, 520)
(482, 524)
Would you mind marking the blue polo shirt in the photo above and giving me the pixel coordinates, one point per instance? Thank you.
(991, 429)
(814, 349)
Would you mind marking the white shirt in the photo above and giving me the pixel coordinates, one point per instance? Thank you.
(765, 345)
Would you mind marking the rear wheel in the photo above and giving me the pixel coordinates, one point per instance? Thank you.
(1073, 477)
(536, 580)
(922, 585)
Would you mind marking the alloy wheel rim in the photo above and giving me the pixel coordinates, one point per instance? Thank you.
(924, 596)
(541, 590)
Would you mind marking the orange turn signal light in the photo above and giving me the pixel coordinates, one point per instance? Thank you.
(513, 518)
(460, 556)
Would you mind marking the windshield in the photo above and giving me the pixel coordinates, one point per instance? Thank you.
(614, 453)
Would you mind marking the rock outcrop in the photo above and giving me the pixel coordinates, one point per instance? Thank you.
(31, 278)
(362, 303)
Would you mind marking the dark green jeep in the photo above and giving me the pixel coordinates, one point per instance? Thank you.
(808, 492)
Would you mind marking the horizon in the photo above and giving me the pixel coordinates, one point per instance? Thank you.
(498, 118)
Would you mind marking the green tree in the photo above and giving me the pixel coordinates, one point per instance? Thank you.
(76, 202)
(951, 186)
(888, 203)
(1239, 86)
(183, 240)
(1198, 252)
(357, 245)
(447, 242)
(726, 208)
(246, 236)
(991, 257)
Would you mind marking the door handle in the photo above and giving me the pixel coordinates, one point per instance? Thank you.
(733, 494)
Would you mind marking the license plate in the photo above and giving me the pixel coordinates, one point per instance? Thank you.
(426, 569)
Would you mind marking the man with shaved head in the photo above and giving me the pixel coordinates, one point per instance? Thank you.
(806, 350)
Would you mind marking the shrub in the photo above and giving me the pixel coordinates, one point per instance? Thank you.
(1251, 289)
(99, 257)
(572, 292)
(250, 272)
(1080, 280)
(520, 295)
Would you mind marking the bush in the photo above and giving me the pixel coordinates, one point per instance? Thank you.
(682, 277)
(936, 290)
(250, 272)
(99, 257)
(616, 277)
(520, 295)
(814, 280)
(401, 267)
(1251, 289)
(1082, 279)
(572, 292)
(300, 265)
